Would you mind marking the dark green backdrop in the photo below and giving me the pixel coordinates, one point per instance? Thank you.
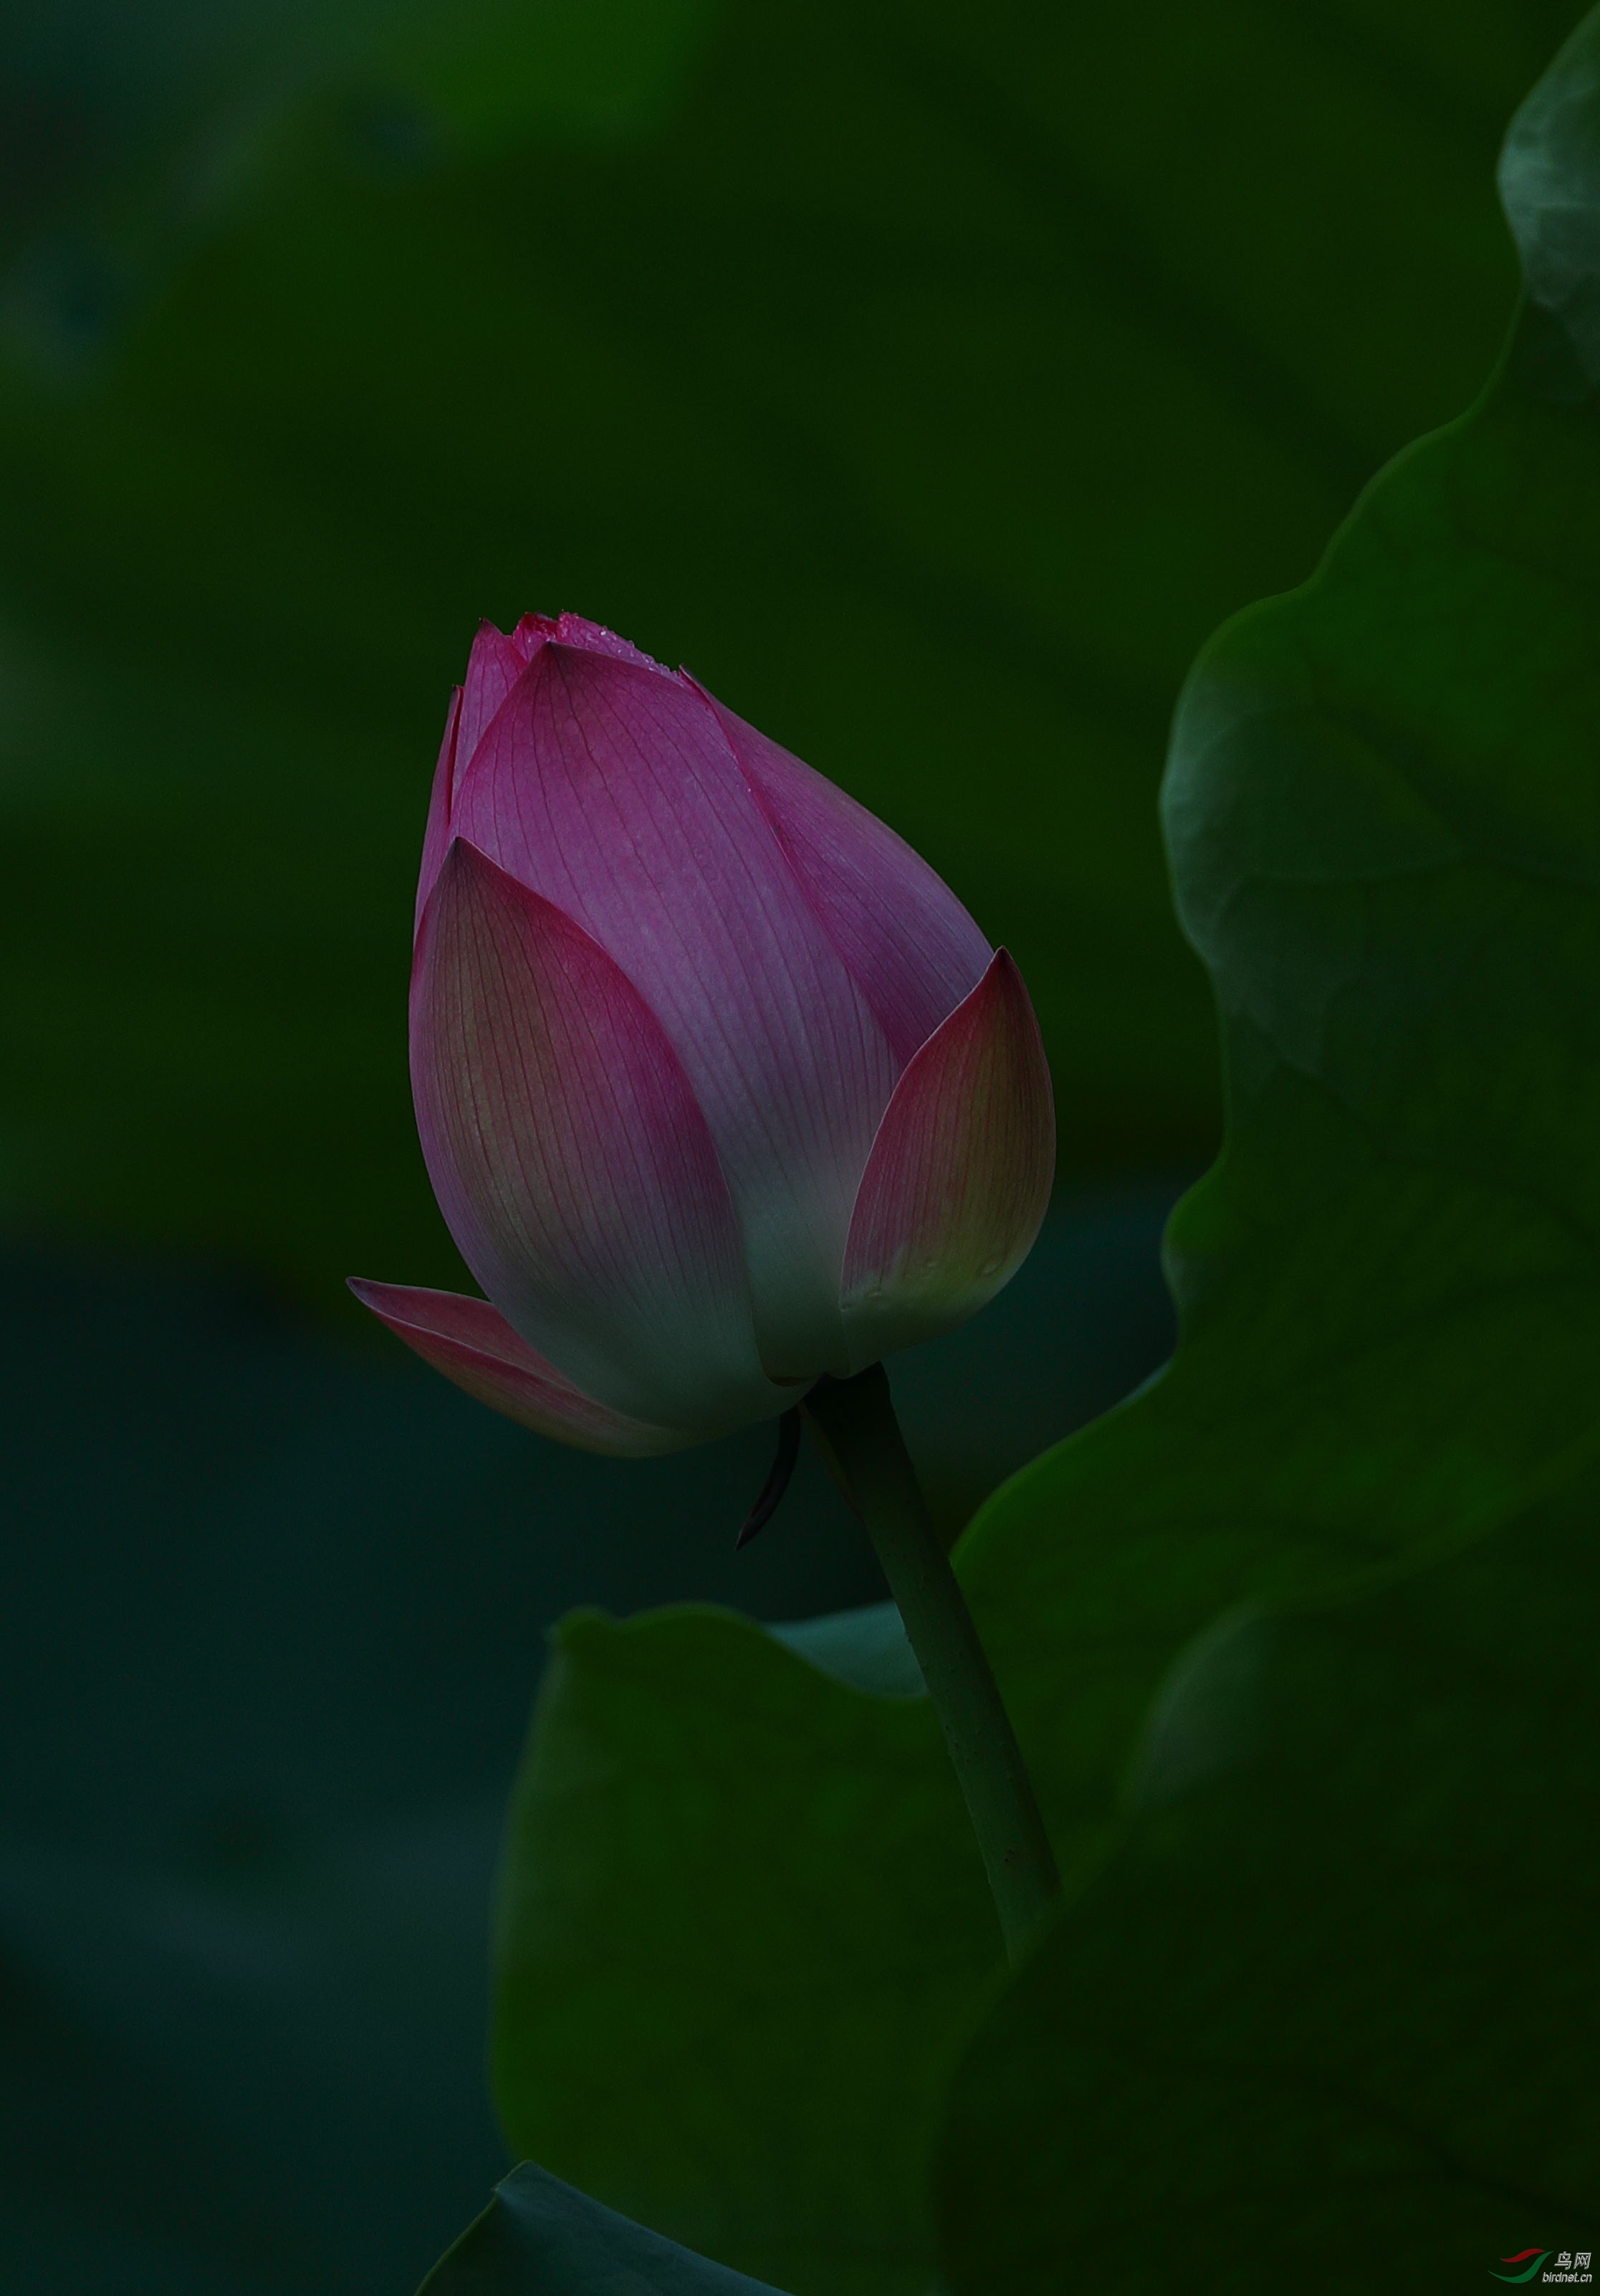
(931, 383)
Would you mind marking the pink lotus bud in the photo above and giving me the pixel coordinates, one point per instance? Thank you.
(719, 1088)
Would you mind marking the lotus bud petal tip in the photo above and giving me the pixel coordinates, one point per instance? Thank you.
(719, 1086)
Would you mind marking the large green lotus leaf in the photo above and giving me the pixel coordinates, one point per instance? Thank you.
(537, 2237)
(930, 383)
(1351, 1993)
(1327, 2020)
(1383, 824)
(741, 1915)
(1381, 811)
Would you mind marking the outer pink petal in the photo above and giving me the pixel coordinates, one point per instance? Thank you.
(570, 1161)
(611, 789)
(436, 837)
(572, 629)
(959, 1177)
(472, 1343)
(907, 939)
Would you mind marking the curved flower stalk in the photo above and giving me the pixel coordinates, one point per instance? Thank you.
(720, 1088)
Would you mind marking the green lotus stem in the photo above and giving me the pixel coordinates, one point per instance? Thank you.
(853, 1423)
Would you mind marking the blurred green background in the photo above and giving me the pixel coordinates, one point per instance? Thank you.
(930, 390)
(931, 384)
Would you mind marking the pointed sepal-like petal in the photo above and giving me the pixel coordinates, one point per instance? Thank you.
(496, 664)
(473, 1344)
(571, 1161)
(955, 1187)
(906, 941)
